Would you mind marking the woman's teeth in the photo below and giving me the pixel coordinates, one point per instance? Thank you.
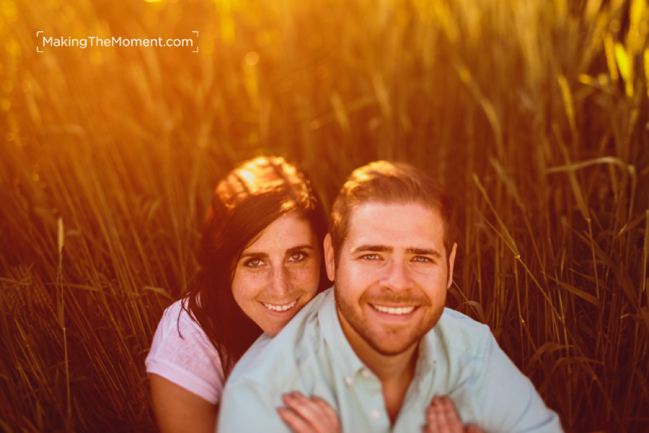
(399, 311)
(280, 308)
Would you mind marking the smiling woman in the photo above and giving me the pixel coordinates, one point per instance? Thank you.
(260, 264)
(278, 273)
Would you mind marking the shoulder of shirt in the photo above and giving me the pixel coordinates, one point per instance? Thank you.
(174, 308)
(461, 333)
(274, 362)
(176, 318)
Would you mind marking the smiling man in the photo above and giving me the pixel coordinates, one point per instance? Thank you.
(380, 346)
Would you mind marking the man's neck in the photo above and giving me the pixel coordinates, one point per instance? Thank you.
(388, 368)
(394, 371)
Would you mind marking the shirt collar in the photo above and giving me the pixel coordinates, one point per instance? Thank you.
(425, 355)
(332, 333)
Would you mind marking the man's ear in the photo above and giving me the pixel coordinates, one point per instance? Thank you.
(329, 258)
(451, 264)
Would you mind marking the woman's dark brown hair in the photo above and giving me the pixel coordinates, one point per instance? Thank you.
(249, 198)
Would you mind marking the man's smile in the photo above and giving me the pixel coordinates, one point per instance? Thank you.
(394, 310)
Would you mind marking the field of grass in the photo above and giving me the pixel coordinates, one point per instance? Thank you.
(533, 113)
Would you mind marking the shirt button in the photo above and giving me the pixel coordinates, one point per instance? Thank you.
(375, 414)
(348, 380)
(365, 372)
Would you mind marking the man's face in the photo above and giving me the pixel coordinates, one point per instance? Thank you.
(391, 275)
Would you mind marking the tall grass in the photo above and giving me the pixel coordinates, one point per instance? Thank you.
(533, 114)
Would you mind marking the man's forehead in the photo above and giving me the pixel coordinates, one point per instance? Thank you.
(408, 225)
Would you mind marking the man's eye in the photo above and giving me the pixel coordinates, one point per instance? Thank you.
(370, 257)
(422, 259)
(298, 256)
(253, 263)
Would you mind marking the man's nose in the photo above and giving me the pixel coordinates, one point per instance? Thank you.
(397, 275)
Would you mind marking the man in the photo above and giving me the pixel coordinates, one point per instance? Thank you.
(380, 346)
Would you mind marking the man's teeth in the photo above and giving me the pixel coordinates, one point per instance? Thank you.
(280, 308)
(399, 311)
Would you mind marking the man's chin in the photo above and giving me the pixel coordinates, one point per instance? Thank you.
(392, 345)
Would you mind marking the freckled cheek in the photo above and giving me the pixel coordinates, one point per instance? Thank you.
(304, 278)
(247, 285)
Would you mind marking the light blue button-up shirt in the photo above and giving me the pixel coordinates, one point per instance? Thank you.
(458, 358)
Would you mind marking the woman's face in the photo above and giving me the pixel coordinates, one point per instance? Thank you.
(278, 272)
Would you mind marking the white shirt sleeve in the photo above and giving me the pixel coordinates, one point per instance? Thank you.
(186, 358)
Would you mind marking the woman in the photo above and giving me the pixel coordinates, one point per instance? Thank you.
(260, 263)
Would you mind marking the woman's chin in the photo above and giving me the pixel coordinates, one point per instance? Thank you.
(276, 320)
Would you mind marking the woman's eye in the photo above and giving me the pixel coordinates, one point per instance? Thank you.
(253, 263)
(297, 257)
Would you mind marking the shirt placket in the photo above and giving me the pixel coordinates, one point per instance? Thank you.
(411, 416)
(367, 391)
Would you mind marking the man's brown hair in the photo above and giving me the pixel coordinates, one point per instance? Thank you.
(387, 182)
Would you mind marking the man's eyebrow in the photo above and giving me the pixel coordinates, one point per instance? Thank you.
(373, 248)
(424, 252)
(385, 248)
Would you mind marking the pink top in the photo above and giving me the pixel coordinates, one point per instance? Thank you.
(191, 362)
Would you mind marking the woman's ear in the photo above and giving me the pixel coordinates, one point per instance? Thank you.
(329, 258)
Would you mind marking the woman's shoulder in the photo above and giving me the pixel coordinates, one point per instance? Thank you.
(176, 309)
(178, 327)
(182, 352)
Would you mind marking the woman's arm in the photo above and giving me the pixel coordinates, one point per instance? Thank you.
(181, 354)
(178, 410)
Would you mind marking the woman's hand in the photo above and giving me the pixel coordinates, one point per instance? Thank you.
(442, 417)
(308, 414)
(314, 415)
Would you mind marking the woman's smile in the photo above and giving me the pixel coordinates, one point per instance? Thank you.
(281, 308)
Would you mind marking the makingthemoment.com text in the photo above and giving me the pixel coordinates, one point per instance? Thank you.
(113, 41)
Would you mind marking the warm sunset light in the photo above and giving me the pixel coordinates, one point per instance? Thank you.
(117, 120)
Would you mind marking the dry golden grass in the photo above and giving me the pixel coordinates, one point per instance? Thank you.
(533, 113)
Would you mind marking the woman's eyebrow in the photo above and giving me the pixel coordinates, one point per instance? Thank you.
(253, 254)
(300, 247)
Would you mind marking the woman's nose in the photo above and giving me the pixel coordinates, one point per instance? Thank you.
(279, 281)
